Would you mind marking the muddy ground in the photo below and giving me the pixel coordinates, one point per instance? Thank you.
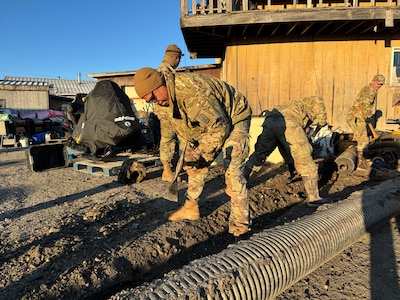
(67, 234)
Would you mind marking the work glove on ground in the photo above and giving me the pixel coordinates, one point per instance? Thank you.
(131, 172)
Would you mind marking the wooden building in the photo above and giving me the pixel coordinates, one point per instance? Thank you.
(277, 50)
(15, 97)
(26, 94)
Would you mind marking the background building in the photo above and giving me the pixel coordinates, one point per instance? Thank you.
(277, 50)
(23, 94)
(125, 81)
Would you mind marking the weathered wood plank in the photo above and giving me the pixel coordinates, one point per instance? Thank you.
(267, 17)
(194, 7)
(272, 73)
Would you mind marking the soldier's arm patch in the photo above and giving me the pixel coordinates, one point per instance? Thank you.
(204, 119)
(198, 114)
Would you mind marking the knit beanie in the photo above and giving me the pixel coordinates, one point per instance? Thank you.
(171, 54)
(147, 80)
(173, 49)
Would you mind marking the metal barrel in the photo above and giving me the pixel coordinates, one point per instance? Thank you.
(347, 161)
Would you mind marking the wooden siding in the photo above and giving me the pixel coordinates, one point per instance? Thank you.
(25, 98)
(207, 29)
(273, 73)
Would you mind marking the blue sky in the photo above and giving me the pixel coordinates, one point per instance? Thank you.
(52, 38)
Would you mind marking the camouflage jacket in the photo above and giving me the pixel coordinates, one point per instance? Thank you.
(169, 74)
(205, 109)
(363, 106)
(304, 111)
(165, 68)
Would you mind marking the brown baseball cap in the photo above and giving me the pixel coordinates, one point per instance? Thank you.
(147, 80)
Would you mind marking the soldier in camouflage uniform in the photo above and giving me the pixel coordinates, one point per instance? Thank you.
(284, 127)
(362, 109)
(170, 62)
(209, 116)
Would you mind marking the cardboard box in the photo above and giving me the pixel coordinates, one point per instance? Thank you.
(4, 127)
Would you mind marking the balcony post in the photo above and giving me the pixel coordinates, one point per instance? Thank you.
(184, 8)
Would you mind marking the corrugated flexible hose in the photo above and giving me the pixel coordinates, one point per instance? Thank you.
(273, 260)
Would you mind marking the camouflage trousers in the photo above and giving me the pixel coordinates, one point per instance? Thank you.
(294, 146)
(359, 128)
(168, 135)
(235, 151)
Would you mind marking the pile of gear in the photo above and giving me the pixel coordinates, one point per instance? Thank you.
(23, 129)
(103, 124)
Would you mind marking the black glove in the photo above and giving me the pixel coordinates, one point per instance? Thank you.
(199, 163)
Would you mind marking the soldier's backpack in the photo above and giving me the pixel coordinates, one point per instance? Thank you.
(108, 124)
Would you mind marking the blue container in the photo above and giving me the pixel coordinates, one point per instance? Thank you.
(39, 138)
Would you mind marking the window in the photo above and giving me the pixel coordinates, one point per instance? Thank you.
(395, 69)
(2, 103)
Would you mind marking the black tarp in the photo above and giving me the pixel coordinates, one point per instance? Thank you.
(107, 120)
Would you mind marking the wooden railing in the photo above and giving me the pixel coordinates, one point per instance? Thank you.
(204, 7)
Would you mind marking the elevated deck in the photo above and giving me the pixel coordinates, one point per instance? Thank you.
(208, 25)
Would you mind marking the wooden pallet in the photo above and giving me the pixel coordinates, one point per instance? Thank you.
(53, 141)
(111, 168)
(74, 154)
(8, 142)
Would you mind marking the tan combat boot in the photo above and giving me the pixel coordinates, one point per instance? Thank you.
(167, 174)
(238, 230)
(311, 187)
(189, 211)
